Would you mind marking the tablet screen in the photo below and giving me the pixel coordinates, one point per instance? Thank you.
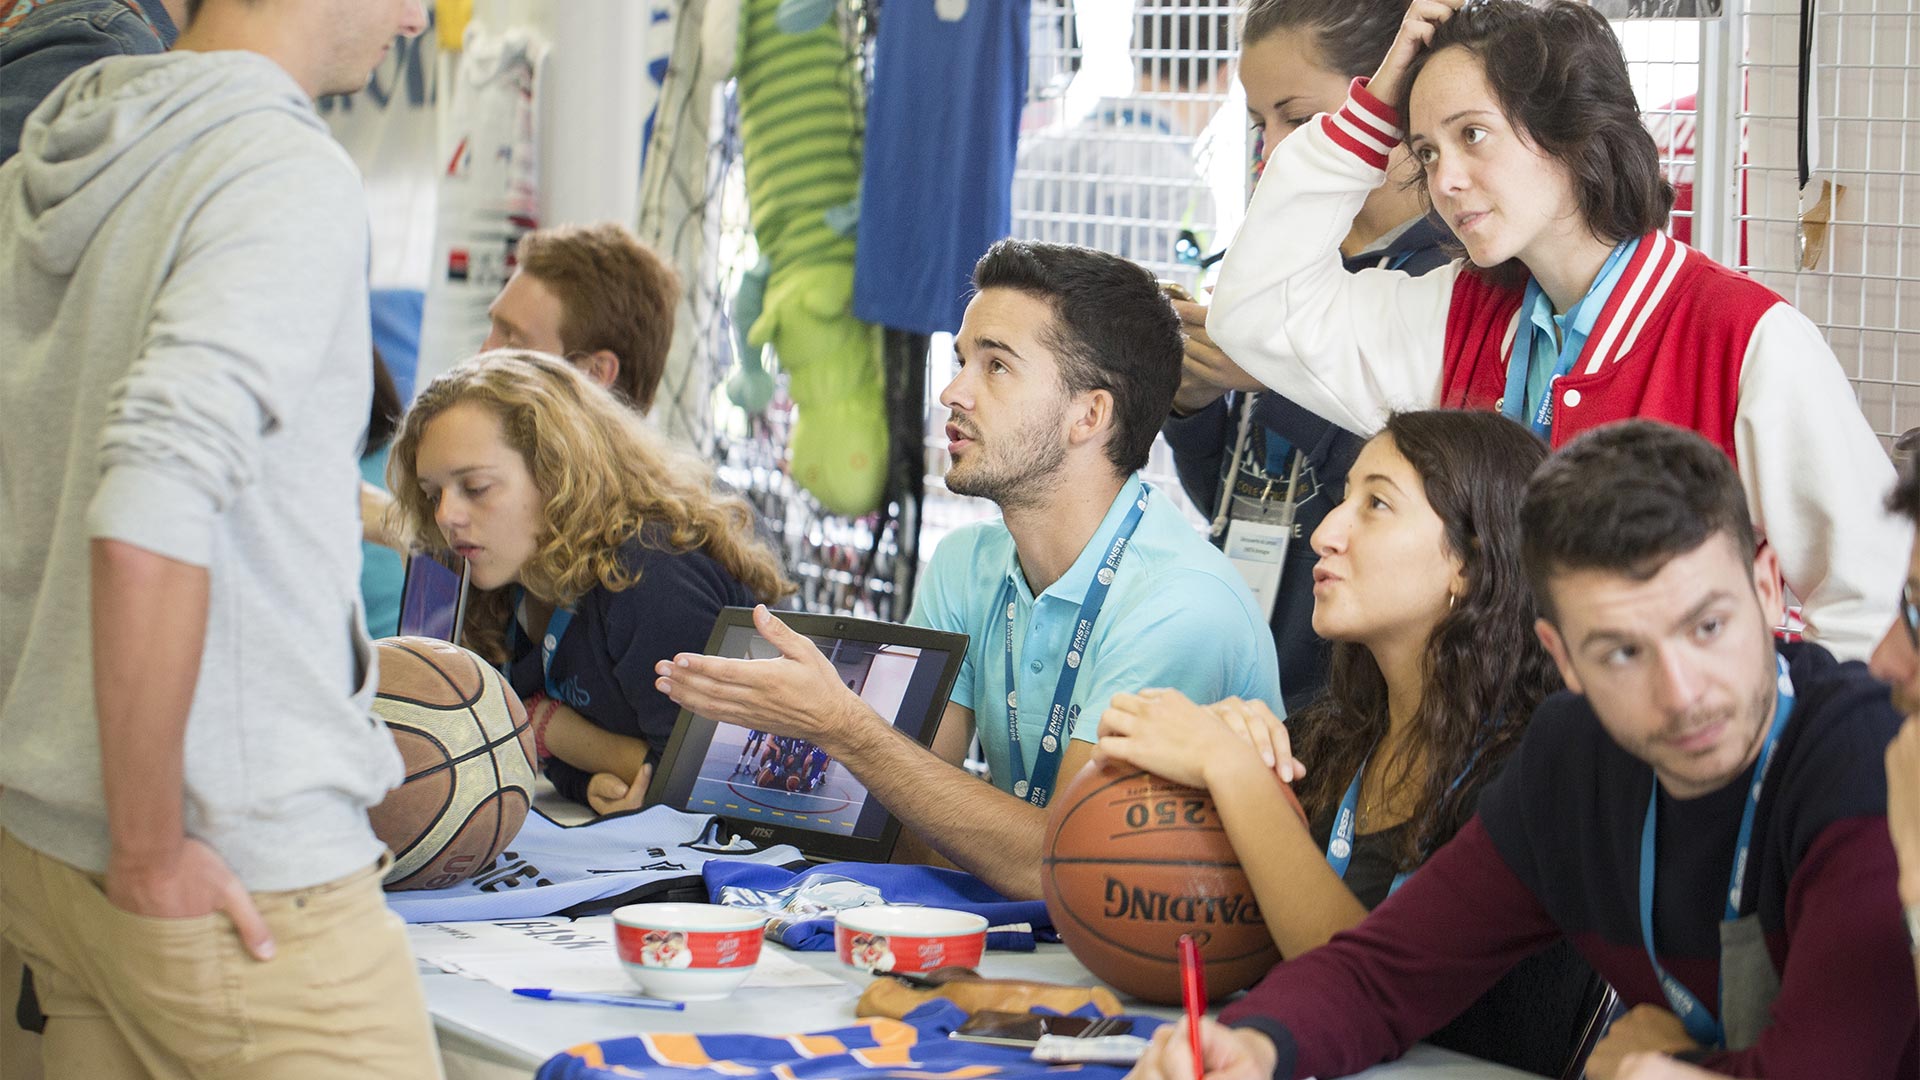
(753, 776)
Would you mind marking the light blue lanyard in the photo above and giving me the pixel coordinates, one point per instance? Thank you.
(1702, 1026)
(557, 624)
(1340, 841)
(1046, 764)
(1514, 404)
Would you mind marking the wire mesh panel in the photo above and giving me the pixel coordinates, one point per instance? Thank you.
(1128, 143)
(1663, 60)
(1846, 253)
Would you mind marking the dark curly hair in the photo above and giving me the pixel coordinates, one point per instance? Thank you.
(1484, 669)
(1561, 78)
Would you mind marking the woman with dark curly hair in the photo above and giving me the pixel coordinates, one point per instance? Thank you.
(597, 550)
(1572, 308)
(1436, 670)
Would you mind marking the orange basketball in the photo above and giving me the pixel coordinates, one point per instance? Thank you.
(1133, 861)
(468, 750)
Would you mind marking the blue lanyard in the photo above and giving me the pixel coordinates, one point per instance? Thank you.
(1702, 1026)
(1521, 359)
(1340, 841)
(557, 624)
(1046, 764)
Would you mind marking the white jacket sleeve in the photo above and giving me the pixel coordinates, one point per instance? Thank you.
(1348, 347)
(1816, 479)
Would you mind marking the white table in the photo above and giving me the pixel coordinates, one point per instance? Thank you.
(488, 1034)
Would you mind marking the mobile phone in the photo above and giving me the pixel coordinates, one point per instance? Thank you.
(1025, 1029)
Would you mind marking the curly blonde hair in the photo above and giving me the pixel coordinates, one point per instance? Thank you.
(602, 473)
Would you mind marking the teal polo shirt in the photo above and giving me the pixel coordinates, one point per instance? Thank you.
(1179, 615)
(1551, 329)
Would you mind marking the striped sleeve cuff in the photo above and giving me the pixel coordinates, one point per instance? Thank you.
(1365, 126)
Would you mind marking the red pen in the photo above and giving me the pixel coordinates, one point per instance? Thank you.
(1193, 992)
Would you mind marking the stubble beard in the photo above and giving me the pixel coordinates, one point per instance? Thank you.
(1023, 476)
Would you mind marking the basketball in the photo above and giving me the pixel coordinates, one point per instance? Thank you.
(468, 750)
(1131, 862)
(793, 783)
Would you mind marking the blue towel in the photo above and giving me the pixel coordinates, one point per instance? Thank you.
(803, 901)
(915, 1048)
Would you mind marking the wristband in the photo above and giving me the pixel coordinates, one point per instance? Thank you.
(540, 710)
(1912, 912)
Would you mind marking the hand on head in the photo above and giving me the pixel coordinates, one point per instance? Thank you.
(1416, 31)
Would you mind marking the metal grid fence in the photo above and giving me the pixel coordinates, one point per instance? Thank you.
(1858, 281)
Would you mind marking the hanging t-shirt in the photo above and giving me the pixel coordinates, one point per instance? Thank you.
(943, 123)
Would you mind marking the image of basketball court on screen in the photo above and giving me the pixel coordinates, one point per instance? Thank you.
(750, 774)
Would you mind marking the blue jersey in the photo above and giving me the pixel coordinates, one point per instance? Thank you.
(915, 1048)
(943, 123)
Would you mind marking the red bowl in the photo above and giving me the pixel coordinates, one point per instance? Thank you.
(885, 939)
(688, 952)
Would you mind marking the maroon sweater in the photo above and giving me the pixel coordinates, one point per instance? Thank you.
(1554, 853)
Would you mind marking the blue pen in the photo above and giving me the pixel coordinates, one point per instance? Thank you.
(543, 994)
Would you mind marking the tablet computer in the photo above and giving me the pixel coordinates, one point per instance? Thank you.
(777, 790)
(433, 598)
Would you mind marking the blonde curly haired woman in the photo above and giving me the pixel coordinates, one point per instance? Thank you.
(597, 549)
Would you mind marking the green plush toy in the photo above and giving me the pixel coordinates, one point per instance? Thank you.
(800, 136)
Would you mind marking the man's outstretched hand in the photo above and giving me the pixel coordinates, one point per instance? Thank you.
(798, 694)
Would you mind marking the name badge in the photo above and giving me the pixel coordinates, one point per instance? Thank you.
(1258, 549)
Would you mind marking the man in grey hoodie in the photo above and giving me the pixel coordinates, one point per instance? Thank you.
(186, 750)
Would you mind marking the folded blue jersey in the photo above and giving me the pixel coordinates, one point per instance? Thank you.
(802, 903)
(915, 1048)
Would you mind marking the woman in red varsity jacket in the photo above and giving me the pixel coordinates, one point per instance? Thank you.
(1571, 308)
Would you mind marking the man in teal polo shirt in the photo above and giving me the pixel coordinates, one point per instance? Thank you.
(1090, 585)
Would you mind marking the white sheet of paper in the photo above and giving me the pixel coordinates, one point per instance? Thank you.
(575, 955)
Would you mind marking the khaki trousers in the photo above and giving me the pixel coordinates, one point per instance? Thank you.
(137, 997)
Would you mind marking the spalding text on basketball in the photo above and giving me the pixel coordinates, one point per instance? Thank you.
(1150, 905)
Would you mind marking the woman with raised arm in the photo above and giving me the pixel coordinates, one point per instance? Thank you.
(1436, 671)
(1571, 307)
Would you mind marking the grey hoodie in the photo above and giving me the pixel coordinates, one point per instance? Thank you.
(186, 368)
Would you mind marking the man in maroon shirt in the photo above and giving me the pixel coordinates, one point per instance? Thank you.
(1702, 813)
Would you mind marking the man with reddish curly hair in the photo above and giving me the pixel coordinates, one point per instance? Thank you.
(599, 297)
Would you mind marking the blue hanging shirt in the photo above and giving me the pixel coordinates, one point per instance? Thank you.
(943, 124)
